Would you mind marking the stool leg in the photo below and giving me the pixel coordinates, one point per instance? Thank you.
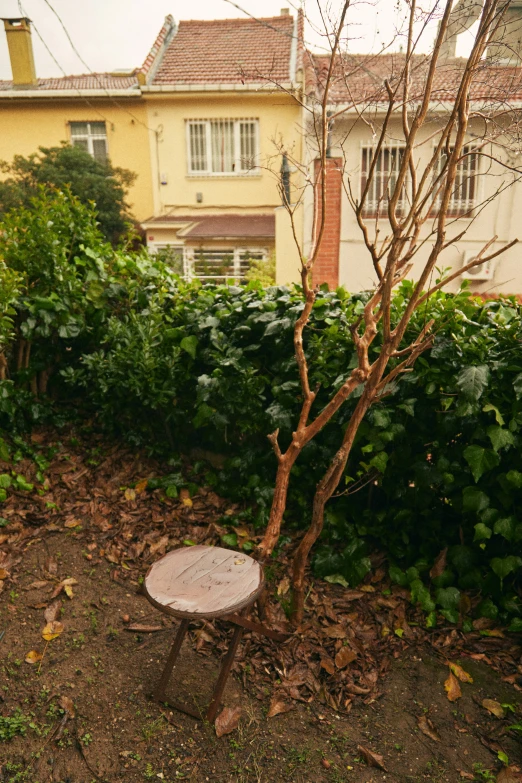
(223, 674)
(159, 693)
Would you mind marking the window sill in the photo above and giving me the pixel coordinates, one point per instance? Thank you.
(225, 176)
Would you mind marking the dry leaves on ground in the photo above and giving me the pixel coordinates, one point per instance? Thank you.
(427, 728)
(227, 720)
(371, 758)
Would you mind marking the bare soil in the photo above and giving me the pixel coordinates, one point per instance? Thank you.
(119, 734)
(84, 713)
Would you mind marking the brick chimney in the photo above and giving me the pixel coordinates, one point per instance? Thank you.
(18, 33)
(326, 268)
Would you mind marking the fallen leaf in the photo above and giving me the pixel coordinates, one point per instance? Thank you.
(3, 573)
(494, 707)
(439, 566)
(466, 775)
(284, 586)
(371, 758)
(459, 672)
(227, 720)
(278, 707)
(509, 775)
(52, 630)
(326, 764)
(33, 656)
(72, 523)
(336, 632)
(161, 544)
(452, 688)
(141, 486)
(130, 494)
(427, 728)
(67, 704)
(367, 588)
(37, 585)
(344, 657)
(51, 565)
(53, 611)
(495, 632)
(184, 496)
(137, 627)
(328, 665)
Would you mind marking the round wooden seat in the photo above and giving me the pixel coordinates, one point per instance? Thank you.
(203, 582)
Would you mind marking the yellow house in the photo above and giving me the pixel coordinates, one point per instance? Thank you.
(104, 113)
(222, 103)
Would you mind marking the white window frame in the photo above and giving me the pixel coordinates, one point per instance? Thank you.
(377, 208)
(90, 137)
(462, 209)
(236, 254)
(238, 171)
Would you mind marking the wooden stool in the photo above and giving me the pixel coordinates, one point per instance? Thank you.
(205, 582)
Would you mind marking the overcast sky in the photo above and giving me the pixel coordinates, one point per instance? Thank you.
(113, 34)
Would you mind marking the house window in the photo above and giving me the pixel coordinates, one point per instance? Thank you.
(221, 147)
(91, 137)
(465, 188)
(220, 265)
(383, 179)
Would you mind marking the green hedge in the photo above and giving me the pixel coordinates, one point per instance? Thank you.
(174, 366)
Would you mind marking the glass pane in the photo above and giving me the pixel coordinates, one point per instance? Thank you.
(222, 146)
(98, 129)
(80, 128)
(248, 151)
(198, 147)
(99, 150)
(83, 143)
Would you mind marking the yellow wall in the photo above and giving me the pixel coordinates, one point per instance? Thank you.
(26, 125)
(278, 116)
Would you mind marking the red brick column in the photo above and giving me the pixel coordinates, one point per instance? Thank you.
(326, 268)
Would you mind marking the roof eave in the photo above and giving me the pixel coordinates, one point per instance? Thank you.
(218, 87)
(434, 107)
(132, 92)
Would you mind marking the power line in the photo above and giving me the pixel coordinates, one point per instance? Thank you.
(95, 75)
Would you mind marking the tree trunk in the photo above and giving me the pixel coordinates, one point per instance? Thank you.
(273, 529)
(325, 489)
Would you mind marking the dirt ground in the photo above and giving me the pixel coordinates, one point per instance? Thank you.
(84, 714)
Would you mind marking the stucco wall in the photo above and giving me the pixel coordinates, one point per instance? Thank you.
(27, 126)
(278, 122)
(499, 218)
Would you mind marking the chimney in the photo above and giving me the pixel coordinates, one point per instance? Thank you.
(18, 33)
(285, 12)
(326, 267)
(506, 47)
(462, 17)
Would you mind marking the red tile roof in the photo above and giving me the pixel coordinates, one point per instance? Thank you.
(228, 51)
(222, 226)
(87, 81)
(359, 78)
(156, 50)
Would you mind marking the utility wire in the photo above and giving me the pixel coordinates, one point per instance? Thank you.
(95, 75)
(24, 14)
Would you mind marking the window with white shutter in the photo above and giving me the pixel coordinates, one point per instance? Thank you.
(92, 137)
(223, 147)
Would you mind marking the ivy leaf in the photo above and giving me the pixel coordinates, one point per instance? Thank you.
(482, 532)
(229, 539)
(517, 385)
(500, 438)
(278, 326)
(448, 598)
(474, 500)
(189, 344)
(480, 460)
(503, 566)
(472, 381)
(505, 527)
(515, 478)
(498, 416)
(380, 461)
(5, 481)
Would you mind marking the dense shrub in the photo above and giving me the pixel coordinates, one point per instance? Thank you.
(436, 469)
(437, 462)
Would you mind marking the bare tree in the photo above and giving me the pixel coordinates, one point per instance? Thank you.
(438, 130)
